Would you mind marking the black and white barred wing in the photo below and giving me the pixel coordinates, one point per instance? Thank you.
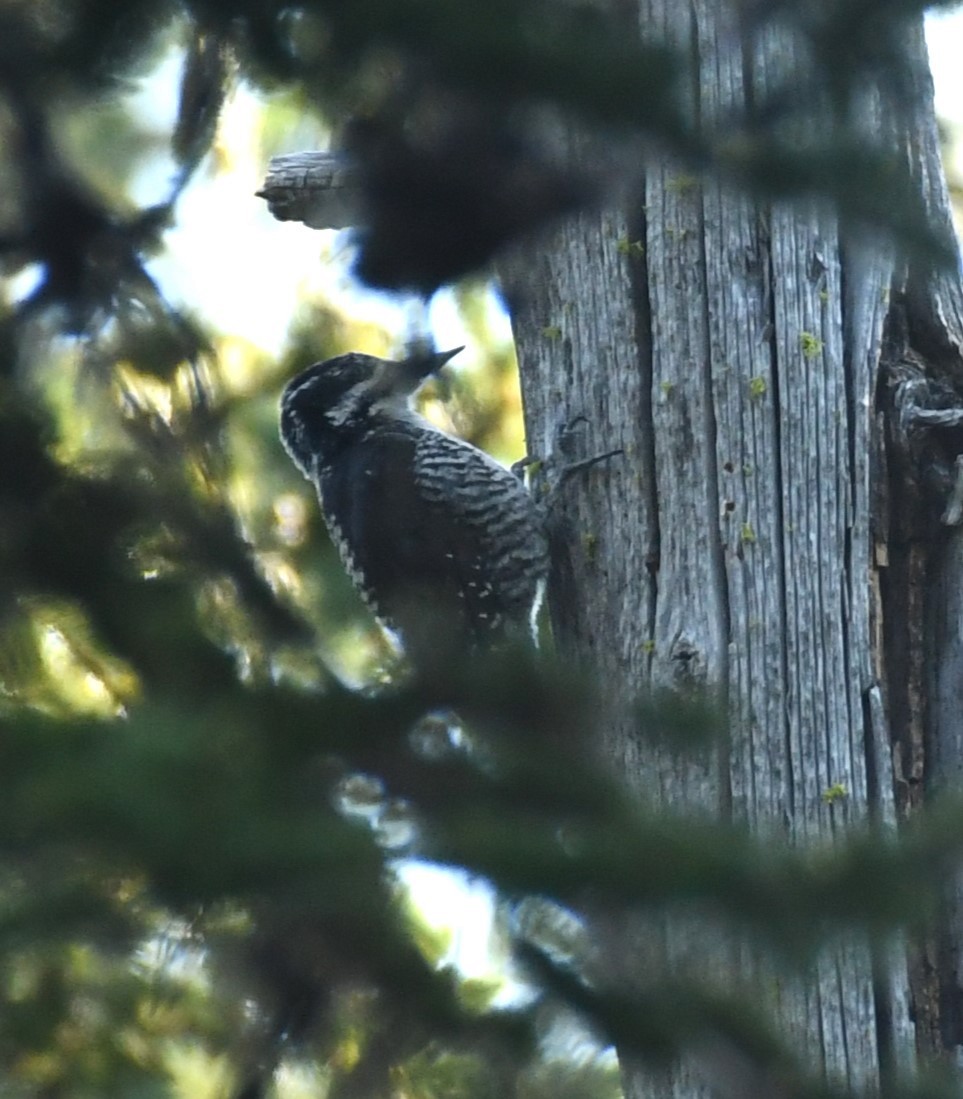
(456, 549)
(502, 529)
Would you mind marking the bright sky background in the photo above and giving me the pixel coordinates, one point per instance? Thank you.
(944, 37)
(242, 270)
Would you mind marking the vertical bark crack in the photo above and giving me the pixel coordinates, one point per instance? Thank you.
(638, 229)
(777, 472)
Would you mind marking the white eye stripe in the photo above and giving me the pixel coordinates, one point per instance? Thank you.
(348, 407)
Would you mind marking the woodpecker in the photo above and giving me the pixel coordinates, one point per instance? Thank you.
(446, 546)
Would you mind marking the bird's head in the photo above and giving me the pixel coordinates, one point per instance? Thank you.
(332, 401)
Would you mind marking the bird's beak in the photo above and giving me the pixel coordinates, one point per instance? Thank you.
(422, 364)
(439, 358)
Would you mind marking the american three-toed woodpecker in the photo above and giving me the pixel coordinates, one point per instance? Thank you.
(445, 545)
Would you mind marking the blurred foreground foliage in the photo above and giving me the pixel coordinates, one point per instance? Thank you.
(203, 814)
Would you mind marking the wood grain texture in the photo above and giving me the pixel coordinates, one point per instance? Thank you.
(732, 346)
(314, 187)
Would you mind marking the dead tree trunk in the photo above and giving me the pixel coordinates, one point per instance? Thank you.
(777, 530)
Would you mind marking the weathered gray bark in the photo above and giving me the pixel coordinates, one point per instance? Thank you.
(734, 348)
(313, 187)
